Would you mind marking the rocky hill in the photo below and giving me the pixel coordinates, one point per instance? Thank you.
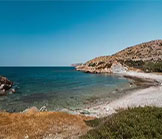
(144, 57)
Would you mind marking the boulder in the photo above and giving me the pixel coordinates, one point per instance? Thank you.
(5, 85)
(31, 110)
(4, 80)
(44, 108)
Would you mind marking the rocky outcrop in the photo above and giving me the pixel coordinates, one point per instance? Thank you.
(116, 67)
(5, 86)
(142, 57)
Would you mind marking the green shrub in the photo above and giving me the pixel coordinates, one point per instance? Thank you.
(153, 67)
(136, 123)
(92, 64)
(145, 66)
(136, 64)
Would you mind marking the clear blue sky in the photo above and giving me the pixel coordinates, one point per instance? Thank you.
(61, 33)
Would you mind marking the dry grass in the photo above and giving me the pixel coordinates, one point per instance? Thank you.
(41, 125)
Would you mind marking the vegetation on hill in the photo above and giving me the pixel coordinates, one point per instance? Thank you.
(153, 67)
(135, 123)
(144, 65)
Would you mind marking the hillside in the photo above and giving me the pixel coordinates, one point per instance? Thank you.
(146, 57)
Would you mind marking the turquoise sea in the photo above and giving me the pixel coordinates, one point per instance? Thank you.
(58, 88)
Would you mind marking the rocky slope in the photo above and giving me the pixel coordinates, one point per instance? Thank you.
(144, 57)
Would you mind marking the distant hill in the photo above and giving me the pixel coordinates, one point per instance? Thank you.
(76, 64)
(146, 57)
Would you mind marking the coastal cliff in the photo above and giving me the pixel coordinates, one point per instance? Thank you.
(146, 57)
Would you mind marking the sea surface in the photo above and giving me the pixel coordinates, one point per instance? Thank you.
(58, 88)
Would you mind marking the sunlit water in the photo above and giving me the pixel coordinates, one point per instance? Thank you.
(58, 88)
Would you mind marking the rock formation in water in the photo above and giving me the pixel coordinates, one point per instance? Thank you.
(145, 57)
(5, 86)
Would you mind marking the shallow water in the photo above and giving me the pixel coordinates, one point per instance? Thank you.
(57, 88)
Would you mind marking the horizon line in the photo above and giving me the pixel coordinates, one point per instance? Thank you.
(36, 66)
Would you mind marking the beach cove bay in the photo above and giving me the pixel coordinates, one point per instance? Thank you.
(59, 88)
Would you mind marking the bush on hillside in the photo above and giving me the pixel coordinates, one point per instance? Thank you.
(145, 66)
(136, 123)
(153, 67)
(92, 64)
(136, 64)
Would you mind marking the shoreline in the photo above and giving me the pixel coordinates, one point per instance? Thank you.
(138, 82)
(135, 82)
(71, 124)
(150, 95)
(148, 83)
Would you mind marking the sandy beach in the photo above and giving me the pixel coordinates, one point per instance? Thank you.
(151, 96)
